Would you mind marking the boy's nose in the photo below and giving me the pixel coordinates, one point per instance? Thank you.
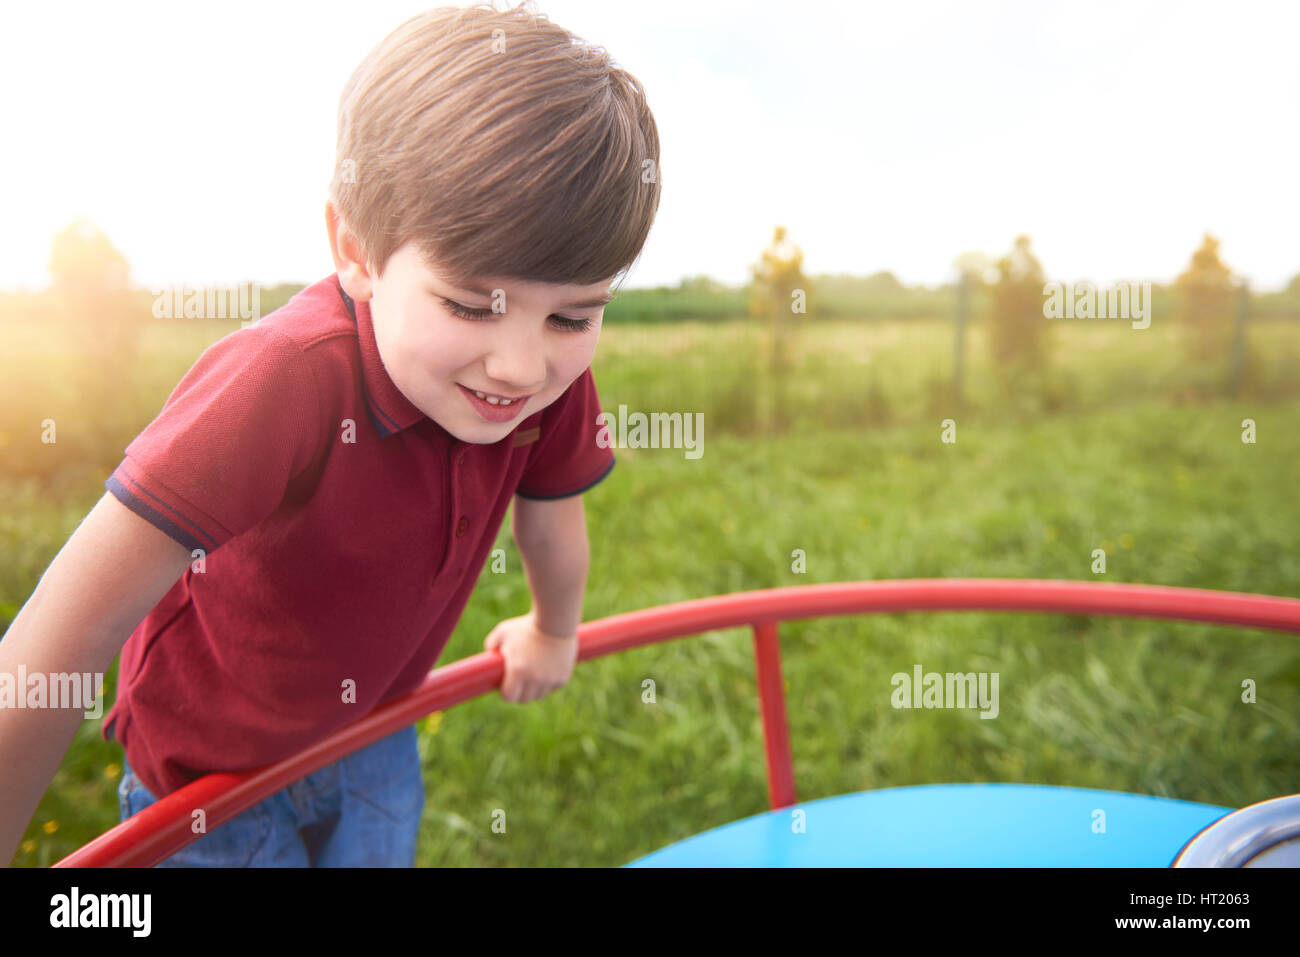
(517, 365)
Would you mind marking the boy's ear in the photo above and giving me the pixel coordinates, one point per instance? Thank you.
(349, 259)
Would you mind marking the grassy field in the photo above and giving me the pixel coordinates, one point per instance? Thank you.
(1118, 446)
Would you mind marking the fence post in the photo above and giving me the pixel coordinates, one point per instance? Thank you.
(959, 348)
(1239, 336)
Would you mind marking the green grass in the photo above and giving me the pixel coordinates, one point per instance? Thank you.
(1144, 466)
(593, 775)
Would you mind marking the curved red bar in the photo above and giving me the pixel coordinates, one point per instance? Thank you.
(164, 827)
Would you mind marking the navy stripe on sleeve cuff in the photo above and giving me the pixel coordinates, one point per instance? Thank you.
(152, 516)
(577, 491)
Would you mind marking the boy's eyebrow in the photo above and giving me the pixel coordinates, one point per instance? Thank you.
(602, 300)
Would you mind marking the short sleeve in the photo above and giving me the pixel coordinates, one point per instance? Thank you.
(234, 432)
(571, 454)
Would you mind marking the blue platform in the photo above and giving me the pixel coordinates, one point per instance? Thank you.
(953, 825)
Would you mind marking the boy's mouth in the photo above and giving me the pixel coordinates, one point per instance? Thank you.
(495, 398)
(492, 407)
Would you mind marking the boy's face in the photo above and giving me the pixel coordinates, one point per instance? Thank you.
(531, 352)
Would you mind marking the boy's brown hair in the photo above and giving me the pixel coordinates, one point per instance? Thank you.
(502, 145)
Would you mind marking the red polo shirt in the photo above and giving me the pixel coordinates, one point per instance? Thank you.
(343, 531)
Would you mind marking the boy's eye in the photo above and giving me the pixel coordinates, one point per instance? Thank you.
(481, 315)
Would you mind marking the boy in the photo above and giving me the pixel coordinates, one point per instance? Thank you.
(301, 526)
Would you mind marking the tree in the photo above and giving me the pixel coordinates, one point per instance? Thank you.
(1205, 302)
(1017, 327)
(779, 293)
(702, 283)
(83, 263)
(90, 294)
(883, 283)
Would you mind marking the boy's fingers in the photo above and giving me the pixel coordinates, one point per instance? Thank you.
(514, 688)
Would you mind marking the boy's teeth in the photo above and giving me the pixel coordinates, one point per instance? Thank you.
(492, 399)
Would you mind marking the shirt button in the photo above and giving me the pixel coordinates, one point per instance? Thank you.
(461, 527)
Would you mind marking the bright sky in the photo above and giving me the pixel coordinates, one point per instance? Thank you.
(884, 135)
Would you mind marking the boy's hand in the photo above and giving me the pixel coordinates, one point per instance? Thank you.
(536, 663)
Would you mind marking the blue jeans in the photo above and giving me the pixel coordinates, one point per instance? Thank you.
(361, 811)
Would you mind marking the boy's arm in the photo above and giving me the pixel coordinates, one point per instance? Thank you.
(109, 574)
(541, 647)
(551, 535)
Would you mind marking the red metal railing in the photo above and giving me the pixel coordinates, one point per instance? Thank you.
(163, 828)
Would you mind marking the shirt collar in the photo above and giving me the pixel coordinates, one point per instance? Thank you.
(390, 411)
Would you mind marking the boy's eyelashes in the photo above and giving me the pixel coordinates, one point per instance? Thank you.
(480, 315)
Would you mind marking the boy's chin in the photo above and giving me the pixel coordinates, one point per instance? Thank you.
(481, 432)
